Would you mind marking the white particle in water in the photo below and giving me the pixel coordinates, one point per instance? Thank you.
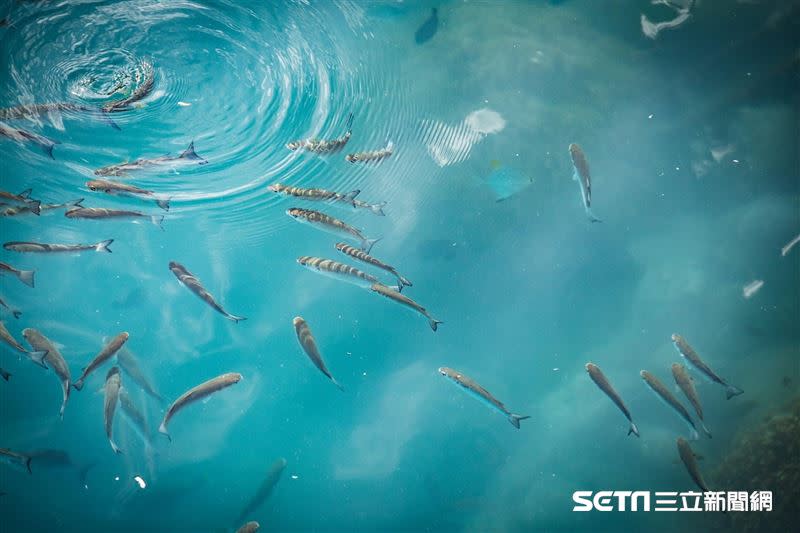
(116, 478)
(650, 115)
(140, 481)
(295, 476)
(184, 104)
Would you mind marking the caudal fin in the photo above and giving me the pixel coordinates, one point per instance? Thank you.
(103, 247)
(190, 154)
(403, 281)
(114, 446)
(591, 216)
(28, 464)
(705, 430)
(26, 277)
(515, 419)
(163, 430)
(693, 435)
(35, 207)
(338, 385)
(78, 384)
(16, 312)
(368, 244)
(38, 358)
(351, 196)
(434, 323)
(158, 220)
(378, 209)
(5, 374)
(731, 391)
(235, 318)
(163, 203)
(633, 429)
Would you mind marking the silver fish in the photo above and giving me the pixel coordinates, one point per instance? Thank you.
(198, 393)
(601, 381)
(112, 387)
(331, 225)
(25, 276)
(102, 213)
(121, 169)
(366, 258)
(309, 345)
(37, 356)
(690, 461)
(372, 156)
(44, 248)
(250, 527)
(15, 459)
(320, 195)
(108, 351)
(188, 280)
(123, 189)
(130, 365)
(22, 199)
(44, 345)
(15, 312)
(38, 208)
(27, 111)
(321, 146)
(406, 301)
(136, 418)
(22, 136)
(338, 270)
(684, 381)
(472, 387)
(265, 489)
(138, 94)
(582, 175)
(691, 356)
(671, 401)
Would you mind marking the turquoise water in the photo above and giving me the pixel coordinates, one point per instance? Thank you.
(692, 141)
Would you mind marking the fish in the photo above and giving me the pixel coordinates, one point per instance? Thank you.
(27, 111)
(102, 213)
(319, 146)
(664, 394)
(130, 365)
(694, 360)
(138, 94)
(15, 459)
(250, 527)
(15, 312)
(123, 189)
(309, 345)
(474, 389)
(188, 280)
(5, 374)
(406, 301)
(582, 175)
(23, 199)
(136, 418)
(38, 208)
(601, 381)
(122, 169)
(315, 194)
(690, 461)
(112, 388)
(25, 276)
(337, 270)
(39, 247)
(789, 245)
(428, 29)
(366, 258)
(42, 344)
(373, 156)
(21, 136)
(331, 225)
(108, 351)
(684, 382)
(265, 489)
(198, 393)
(37, 356)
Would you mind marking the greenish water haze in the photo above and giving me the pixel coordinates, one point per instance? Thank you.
(692, 140)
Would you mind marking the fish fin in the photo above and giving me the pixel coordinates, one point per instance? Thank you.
(26, 277)
(633, 429)
(16, 312)
(515, 419)
(705, 430)
(28, 464)
(25, 194)
(592, 217)
(390, 147)
(338, 385)
(189, 153)
(103, 247)
(163, 430)
(368, 244)
(76, 203)
(378, 209)
(693, 435)
(575, 176)
(38, 358)
(235, 318)
(731, 391)
(114, 446)
(404, 281)
(6, 375)
(47, 148)
(163, 203)
(158, 220)
(36, 207)
(351, 196)
(434, 323)
(78, 384)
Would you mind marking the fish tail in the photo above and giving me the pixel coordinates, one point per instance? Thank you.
(705, 430)
(26, 277)
(78, 384)
(114, 446)
(163, 203)
(17, 313)
(435, 325)
(731, 391)
(351, 196)
(47, 148)
(75, 203)
(163, 429)
(633, 429)
(5, 374)
(367, 244)
(103, 247)
(338, 385)
(28, 464)
(158, 220)
(378, 209)
(25, 194)
(38, 358)
(693, 435)
(36, 207)
(235, 318)
(515, 419)
(189, 153)
(403, 281)
(591, 216)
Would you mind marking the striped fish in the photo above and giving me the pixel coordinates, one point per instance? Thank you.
(366, 258)
(123, 189)
(406, 301)
(108, 351)
(102, 213)
(138, 94)
(309, 345)
(688, 353)
(323, 147)
(320, 195)
(671, 401)
(196, 394)
(22, 199)
(46, 248)
(372, 156)
(472, 387)
(331, 225)
(53, 356)
(190, 281)
(336, 270)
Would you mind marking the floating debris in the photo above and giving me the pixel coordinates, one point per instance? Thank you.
(751, 288)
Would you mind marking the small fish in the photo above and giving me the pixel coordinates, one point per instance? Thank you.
(108, 351)
(335, 270)
(15, 459)
(136, 418)
(138, 94)
(691, 356)
(22, 199)
(123, 189)
(323, 147)
(27, 111)
(664, 394)
(265, 489)
(39, 247)
(690, 461)
(684, 381)
(428, 29)
(25, 276)
(122, 169)
(482, 394)
(37, 356)
(130, 365)
(15, 312)
(373, 156)
(112, 387)
(583, 177)
(601, 381)
(315, 194)
(188, 280)
(309, 346)
(250, 527)
(42, 344)
(38, 208)
(366, 258)
(102, 213)
(786, 249)
(406, 301)
(331, 225)
(198, 393)
(22, 136)
(5, 373)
